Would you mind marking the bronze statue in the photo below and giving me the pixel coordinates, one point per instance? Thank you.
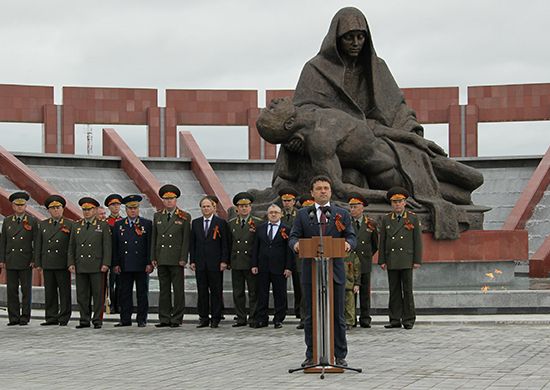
(349, 121)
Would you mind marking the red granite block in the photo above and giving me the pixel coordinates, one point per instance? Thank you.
(531, 195)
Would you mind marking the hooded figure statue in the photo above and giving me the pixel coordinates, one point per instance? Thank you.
(347, 76)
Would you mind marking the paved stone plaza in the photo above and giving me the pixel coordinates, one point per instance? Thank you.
(441, 352)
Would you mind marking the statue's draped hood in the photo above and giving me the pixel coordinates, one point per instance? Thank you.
(321, 83)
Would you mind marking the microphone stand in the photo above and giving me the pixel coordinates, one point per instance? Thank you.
(323, 313)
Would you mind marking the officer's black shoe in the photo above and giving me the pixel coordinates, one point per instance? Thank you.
(141, 324)
(390, 326)
(407, 326)
(308, 362)
(300, 326)
(214, 325)
(120, 324)
(175, 325)
(12, 323)
(238, 324)
(23, 323)
(259, 325)
(341, 362)
(203, 324)
(49, 323)
(162, 325)
(82, 326)
(62, 324)
(364, 325)
(97, 326)
(278, 325)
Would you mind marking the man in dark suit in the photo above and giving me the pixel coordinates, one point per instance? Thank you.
(273, 262)
(17, 256)
(170, 249)
(335, 222)
(90, 253)
(400, 253)
(209, 257)
(52, 251)
(367, 245)
(132, 261)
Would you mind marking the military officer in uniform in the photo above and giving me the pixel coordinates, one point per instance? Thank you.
(113, 203)
(170, 250)
(90, 257)
(243, 228)
(132, 261)
(17, 256)
(52, 250)
(367, 245)
(400, 253)
(288, 200)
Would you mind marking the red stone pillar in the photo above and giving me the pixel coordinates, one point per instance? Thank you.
(153, 124)
(50, 129)
(455, 131)
(170, 130)
(254, 139)
(472, 120)
(67, 131)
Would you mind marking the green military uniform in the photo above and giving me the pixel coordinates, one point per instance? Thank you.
(53, 248)
(89, 249)
(19, 235)
(367, 245)
(400, 248)
(353, 278)
(170, 245)
(242, 239)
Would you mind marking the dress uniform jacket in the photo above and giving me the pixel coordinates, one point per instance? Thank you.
(367, 243)
(90, 247)
(242, 240)
(18, 241)
(53, 243)
(170, 238)
(400, 241)
(132, 250)
(52, 251)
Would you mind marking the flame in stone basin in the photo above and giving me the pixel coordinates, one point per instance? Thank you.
(498, 272)
(484, 289)
(490, 275)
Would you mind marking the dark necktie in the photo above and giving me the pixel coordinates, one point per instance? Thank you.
(242, 222)
(169, 215)
(323, 219)
(54, 223)
(399, 218)
(270, 233)
(131, 223)
(206, 226)
(358, 224)
(18, 220)
(87, 225)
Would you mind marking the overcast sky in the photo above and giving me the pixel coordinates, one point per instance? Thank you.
(263, 45)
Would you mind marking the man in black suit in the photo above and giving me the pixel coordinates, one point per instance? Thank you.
(272, 261)
(209, 257)
(132, 261)
(335, 222)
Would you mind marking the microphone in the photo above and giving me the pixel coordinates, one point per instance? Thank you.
(311, 216)
(328, 214)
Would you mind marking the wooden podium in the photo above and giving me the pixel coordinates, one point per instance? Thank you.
(320, 251)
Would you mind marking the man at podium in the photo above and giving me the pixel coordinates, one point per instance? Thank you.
(332, 221)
